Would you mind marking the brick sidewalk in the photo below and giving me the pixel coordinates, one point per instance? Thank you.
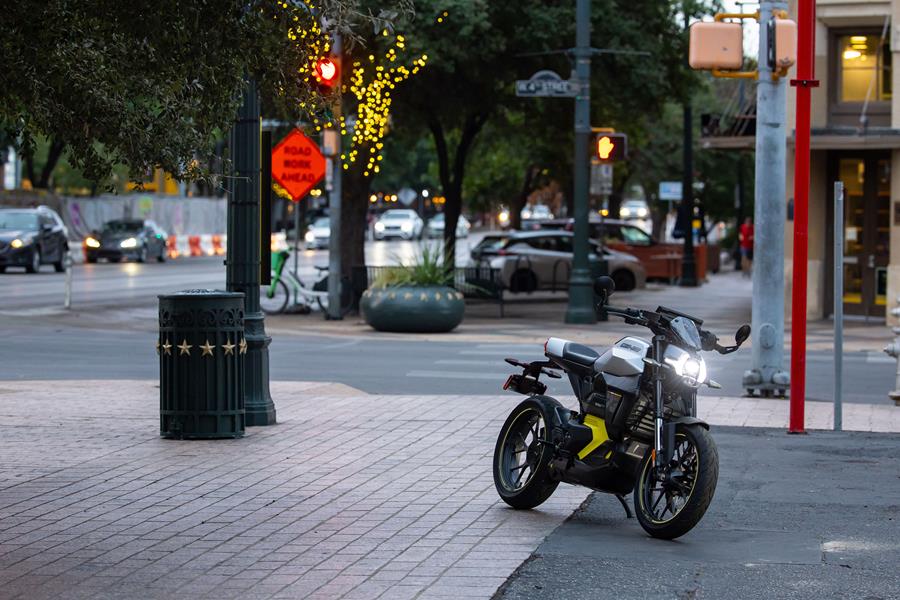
(349, 495)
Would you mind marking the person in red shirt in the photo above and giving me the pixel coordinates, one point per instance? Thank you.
(746, 243)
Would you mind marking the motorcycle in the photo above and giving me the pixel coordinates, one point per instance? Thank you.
(636, 428)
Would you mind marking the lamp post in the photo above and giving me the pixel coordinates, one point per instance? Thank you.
(581, 294)
(242, 261)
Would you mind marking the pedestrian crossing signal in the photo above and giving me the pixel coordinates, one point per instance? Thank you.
(611, 147)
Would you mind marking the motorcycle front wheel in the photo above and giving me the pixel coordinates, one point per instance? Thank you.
(668, 506)
(522, 454)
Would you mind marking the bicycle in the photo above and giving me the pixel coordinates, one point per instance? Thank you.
(287, 288)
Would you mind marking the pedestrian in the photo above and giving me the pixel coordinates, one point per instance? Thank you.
(746, 243)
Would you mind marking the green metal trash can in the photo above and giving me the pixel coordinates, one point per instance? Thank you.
(201, 351)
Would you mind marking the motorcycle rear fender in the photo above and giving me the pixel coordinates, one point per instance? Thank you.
(690, 421)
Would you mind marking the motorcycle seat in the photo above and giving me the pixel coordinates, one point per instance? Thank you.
(573, 357)
(580, 354)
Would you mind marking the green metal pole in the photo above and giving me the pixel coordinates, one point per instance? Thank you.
(243, 254)
(581, 293)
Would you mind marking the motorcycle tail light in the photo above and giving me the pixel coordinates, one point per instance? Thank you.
(508, 383)
(545, 345)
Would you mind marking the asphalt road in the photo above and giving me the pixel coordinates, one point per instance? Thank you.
(40, 342)
(815, 516)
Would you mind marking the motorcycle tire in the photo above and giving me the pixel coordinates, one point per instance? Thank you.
(700, 458)
(531, 420)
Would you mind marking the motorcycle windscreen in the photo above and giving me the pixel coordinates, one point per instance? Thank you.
(686, 332)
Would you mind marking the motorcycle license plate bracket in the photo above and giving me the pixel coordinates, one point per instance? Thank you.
(524, 385)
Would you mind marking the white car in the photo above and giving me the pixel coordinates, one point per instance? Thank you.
(399, 222)
(319, 234)
(634, 209)
(436, 226)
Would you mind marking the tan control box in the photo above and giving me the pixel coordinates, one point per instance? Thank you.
(785, 43)
(716, 45)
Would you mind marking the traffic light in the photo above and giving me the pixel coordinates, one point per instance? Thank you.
(328, 72)
(611, 147)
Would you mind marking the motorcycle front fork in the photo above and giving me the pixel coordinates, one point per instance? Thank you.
(664, 434)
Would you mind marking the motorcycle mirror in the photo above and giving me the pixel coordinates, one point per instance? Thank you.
(603, 287)
(742, 334)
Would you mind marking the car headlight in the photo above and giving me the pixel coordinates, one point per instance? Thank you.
(624, 212)
(406, 227)
(92, 242)
(129, 243)
(504, 217)
(379, 226)
(642, 212)
(310, 236)
(693, 369)
(17, 243)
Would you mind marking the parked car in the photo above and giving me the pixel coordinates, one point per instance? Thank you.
(542, 260)
(487, 248)
(135, 239)
(435, 227)
(31, 237)
(399, 222)
(661, 260)
(634, 209)
(319, 234)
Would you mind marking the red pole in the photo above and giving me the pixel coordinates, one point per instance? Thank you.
(806, 16)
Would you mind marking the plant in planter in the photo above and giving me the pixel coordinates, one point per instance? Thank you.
(414, 298)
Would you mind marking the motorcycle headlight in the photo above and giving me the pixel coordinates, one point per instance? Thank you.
(129, 243)
(685, 365)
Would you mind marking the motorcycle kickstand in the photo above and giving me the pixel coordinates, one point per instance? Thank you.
(628, 513)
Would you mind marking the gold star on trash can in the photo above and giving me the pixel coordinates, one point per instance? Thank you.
(228, 347)
(207, 349)
(167, 347)
(157, 347)
(243, 346)
(184, 348)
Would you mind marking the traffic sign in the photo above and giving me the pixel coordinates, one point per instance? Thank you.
(406, 196)
(297, 164)
(601, 179)
(670, 190)
(546, 83)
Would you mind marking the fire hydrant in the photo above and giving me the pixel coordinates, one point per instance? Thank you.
(893, 350)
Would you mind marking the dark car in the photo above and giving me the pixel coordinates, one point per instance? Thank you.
(31, 237)
(135, 239)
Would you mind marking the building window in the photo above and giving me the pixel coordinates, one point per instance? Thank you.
(865, 68)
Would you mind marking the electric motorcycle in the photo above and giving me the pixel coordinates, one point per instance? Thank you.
(636, 428)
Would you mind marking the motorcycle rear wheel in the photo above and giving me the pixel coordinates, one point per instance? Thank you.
(687, 497)
(522, 454)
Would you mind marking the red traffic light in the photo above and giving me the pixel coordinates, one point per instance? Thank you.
(326, 70)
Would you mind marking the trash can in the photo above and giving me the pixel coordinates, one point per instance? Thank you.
(201, 351)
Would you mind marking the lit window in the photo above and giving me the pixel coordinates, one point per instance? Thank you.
(865, 68)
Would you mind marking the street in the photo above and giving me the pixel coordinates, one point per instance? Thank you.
(111, 298)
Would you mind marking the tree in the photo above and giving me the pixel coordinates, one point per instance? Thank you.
(148, 84)
(477, 49)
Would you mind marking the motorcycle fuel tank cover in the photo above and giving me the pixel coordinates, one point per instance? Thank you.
(625, 358)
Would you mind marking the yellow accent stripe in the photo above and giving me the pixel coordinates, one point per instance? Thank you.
(598, 429)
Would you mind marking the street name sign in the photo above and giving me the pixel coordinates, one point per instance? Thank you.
(670, 190)
(297, 164)
(546, 84)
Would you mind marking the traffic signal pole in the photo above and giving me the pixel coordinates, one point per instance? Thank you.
(806, 17)
(334, 200)
(581, 293)
(766, 374)
(688, 261)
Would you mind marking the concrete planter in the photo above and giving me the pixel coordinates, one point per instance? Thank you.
(413, 309)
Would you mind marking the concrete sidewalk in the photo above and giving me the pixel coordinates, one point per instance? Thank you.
(350, 495)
